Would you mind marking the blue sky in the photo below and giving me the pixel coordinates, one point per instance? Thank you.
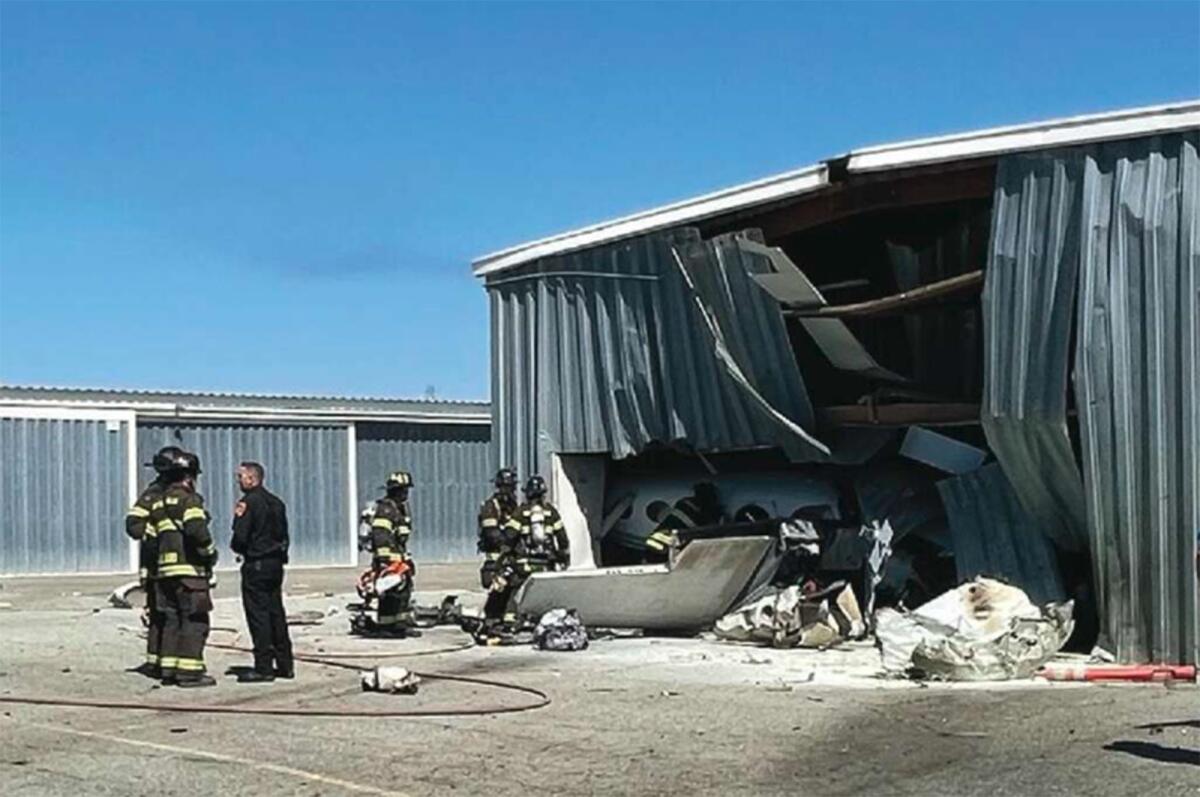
(286, 197)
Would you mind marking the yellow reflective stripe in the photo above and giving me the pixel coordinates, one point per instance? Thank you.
(171, 501)
(170, 571)
(489, 523)
(557, 526)
(143, 572)
(157, 504)
(151, 531)
(165, 525)
(168, 662)
(510, 617)
(152, 658)
(383, 551)
(137, 511)
(194, 513)
(168, 558)
(189, 665)
(210, 548)
(492, 556)
(382, 523)
(513, 524)
(403, 531)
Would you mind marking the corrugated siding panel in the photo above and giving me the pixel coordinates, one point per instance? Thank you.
(452, 473)
(1138, 382)
(307, 466)
(1029, 301)
(63, 496)
(607, 350)
(994, 536)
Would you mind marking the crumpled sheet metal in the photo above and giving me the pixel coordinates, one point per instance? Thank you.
(983, 630)
(560, 629)
(702, 584)
(789, 619)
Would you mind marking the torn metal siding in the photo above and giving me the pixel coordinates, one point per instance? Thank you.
(1028, 302)
(1138, 381)
(660, 339)
(307, 466)
(63, 496)
(452, 473)
(994, 536)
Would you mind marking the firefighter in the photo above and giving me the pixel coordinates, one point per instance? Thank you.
(498, 530)
(186, 556)
(138, 527)
(390, 529)
(702, 508)
(542, 545)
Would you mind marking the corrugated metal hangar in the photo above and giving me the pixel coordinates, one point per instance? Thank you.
(72, 461)
(1030, 291)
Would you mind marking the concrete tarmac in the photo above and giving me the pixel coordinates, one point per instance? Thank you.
(629, 716)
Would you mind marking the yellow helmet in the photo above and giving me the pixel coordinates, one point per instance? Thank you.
(400, 478)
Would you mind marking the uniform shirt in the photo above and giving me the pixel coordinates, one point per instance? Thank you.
(390, 529)
(260, 526)
(543, 540)
(498, 529)
(185, 546)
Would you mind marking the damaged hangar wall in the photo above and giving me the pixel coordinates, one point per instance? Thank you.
(658, 339)
(1104, 241)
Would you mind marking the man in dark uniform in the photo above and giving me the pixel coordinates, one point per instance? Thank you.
(260, 538)
(186, 555)
(390, 530)
(497, 537)
(138, 527)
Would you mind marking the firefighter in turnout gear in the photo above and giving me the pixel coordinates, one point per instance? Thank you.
(542, 545)
(388, 542)
(498, 531)
(186, 556)
(533, 541)
(702, 508)
(139, 528)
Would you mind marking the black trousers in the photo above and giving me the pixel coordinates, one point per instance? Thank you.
(184, 604)
(262, 598)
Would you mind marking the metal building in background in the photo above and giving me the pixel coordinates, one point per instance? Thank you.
(71, 462)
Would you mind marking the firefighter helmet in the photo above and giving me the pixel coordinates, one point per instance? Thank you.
(506, 479)
(399, 478)
(170, 459)
(535, 487)
(193, 461)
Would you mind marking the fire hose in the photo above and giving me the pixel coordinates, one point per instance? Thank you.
(541, 699)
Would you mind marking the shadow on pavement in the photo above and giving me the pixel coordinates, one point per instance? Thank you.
(1156, 752)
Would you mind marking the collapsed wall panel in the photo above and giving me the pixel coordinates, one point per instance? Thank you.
(1028, 303)
(659, 339)
(994, 536)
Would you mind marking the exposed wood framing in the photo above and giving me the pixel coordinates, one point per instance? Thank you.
(897, 303)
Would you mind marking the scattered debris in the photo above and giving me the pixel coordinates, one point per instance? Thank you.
(306, 617)
(394, 680)
(984, 630)
(120, 596)
(790, 618)
(560, 629)
(941, 452)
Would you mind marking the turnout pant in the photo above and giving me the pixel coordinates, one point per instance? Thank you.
(154, 623)
(185, 603)
(262, 598)
(394, 606)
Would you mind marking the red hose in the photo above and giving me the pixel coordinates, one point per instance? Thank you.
(1122, 672)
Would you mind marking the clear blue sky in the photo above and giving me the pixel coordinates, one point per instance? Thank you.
(276, 197)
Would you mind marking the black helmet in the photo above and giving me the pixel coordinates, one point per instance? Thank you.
(170, 459)
(506, 479)
(535, 487)
(398, 478)
(193, 461)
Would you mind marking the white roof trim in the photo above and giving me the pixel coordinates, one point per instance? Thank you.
(168, 411)
(1127, 123)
